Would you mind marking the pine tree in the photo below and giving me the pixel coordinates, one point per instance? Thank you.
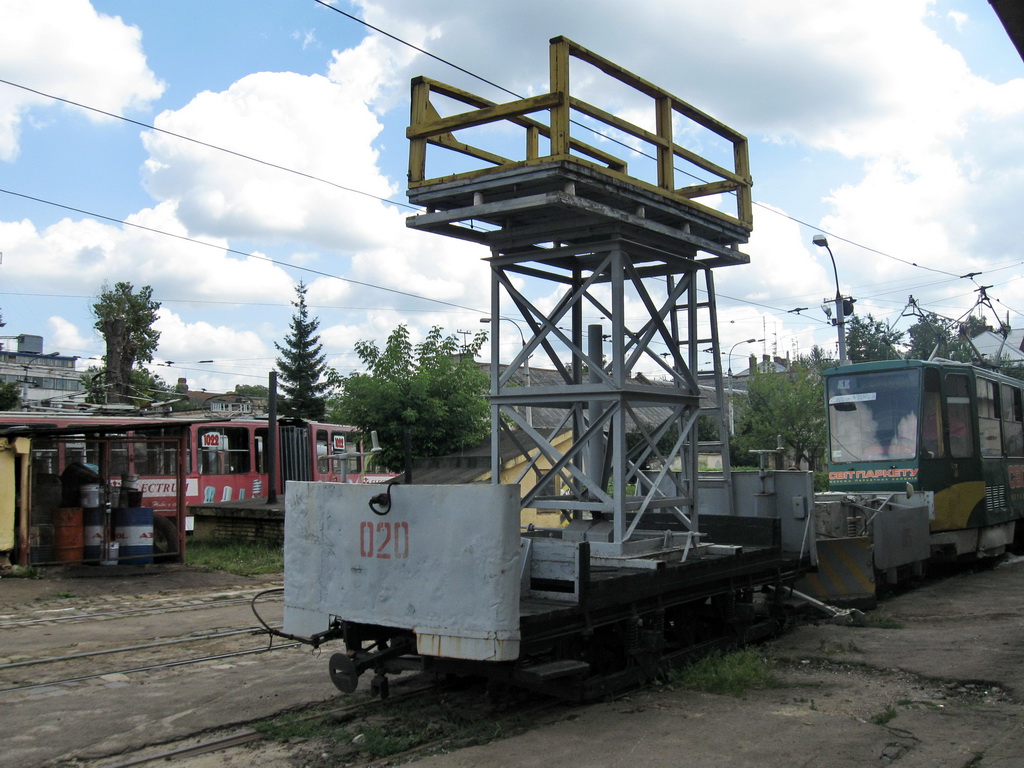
(302, 365)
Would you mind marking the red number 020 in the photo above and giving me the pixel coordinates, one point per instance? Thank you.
(384, 540)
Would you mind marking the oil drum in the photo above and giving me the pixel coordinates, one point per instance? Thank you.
(93, 524)
(68, 541)
(133, 531)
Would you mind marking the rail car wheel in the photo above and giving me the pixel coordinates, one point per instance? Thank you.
(344, 673)
(165, 539)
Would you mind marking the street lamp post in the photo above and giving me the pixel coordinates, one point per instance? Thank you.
(822, 242)
(732, 418)
(526, 363)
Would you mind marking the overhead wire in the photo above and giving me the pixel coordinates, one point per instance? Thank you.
(313, 177)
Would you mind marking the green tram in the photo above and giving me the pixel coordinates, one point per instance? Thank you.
(948, 435)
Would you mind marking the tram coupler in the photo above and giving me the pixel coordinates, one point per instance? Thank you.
(345, 668)
(846, 617)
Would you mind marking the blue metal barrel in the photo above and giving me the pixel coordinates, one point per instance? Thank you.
(133, 531)
(92, 522)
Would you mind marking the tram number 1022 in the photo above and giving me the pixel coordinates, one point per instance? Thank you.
(384, 540)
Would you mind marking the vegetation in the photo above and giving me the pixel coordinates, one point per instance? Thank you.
(732, 674)
(125, 320)
(787, 405)
(433, 389)
(384, 729)
(241, 558)
(870, 339)
(10, 396)
(950, 340)
(302, 365)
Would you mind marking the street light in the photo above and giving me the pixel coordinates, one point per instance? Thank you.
(732, 418)
(526, 363)
(822, 242)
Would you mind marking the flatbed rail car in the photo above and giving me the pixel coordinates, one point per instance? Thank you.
(442, 579)
(925, 463)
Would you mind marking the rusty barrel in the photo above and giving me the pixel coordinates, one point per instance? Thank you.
(68, 535)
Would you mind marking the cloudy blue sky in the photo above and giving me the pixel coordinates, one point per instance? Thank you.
(895, 127)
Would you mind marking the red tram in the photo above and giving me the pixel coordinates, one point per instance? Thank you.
(223, 460)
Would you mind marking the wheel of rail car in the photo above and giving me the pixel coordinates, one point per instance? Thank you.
(165, 539)
(344, 673)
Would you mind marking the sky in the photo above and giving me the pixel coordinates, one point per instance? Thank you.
(895, 128)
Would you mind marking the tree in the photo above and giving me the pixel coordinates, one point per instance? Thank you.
(302, 365)
(946, 339)
(869, 339)
(434, 389)
(125, 320)
(143, 389)
(788, 404)
(252, 390)
(10, 396)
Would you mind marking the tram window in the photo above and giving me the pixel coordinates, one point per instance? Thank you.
(261, 450)
(958, 406)
(224, 451)
(874, 416)
(988, 418)
(1013, 421)
(933, 444)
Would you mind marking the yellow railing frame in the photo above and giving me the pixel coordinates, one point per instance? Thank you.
(427, 127)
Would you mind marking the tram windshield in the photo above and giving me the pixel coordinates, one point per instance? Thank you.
(874, 416)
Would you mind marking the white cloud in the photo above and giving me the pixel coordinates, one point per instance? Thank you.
(87, 57)
(304, 123)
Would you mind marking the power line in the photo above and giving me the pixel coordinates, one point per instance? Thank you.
(208, 145)
(237, 252)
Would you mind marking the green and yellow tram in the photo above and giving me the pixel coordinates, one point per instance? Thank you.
(948, 434)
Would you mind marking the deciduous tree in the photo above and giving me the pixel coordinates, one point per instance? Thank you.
(789, 404)
(870, 339)
(125, 320)
(434, 389)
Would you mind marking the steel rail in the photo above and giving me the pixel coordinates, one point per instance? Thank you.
(152, 609)
(165, 665)
(139, 647)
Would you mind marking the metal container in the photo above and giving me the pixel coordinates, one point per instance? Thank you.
(68, 543)
(90, 495)
(133, 532)
(92, 532)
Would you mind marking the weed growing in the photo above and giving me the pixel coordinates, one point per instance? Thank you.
(729, 673)
(238, 558)
(881, 620)
(885, 715)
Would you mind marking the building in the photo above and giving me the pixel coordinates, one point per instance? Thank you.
(47, 380)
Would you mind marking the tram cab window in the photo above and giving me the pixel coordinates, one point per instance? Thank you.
(958, 407)
(262, 433)
(1013, 420)
(874, 416)
(988, 418)
(224, 451)
(933, 443)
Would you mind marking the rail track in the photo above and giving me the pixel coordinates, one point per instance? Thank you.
(89, 634)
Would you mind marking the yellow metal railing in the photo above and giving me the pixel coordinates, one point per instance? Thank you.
(427, 127)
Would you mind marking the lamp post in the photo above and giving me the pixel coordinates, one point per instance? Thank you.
(732, 417)
(526, 363)
(27, 382)
(822, 242)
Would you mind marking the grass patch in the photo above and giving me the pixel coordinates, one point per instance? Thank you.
(729, 673)
(22, 572)
(885, 715)
(239, 558)
(881, 620)
(389, 728)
